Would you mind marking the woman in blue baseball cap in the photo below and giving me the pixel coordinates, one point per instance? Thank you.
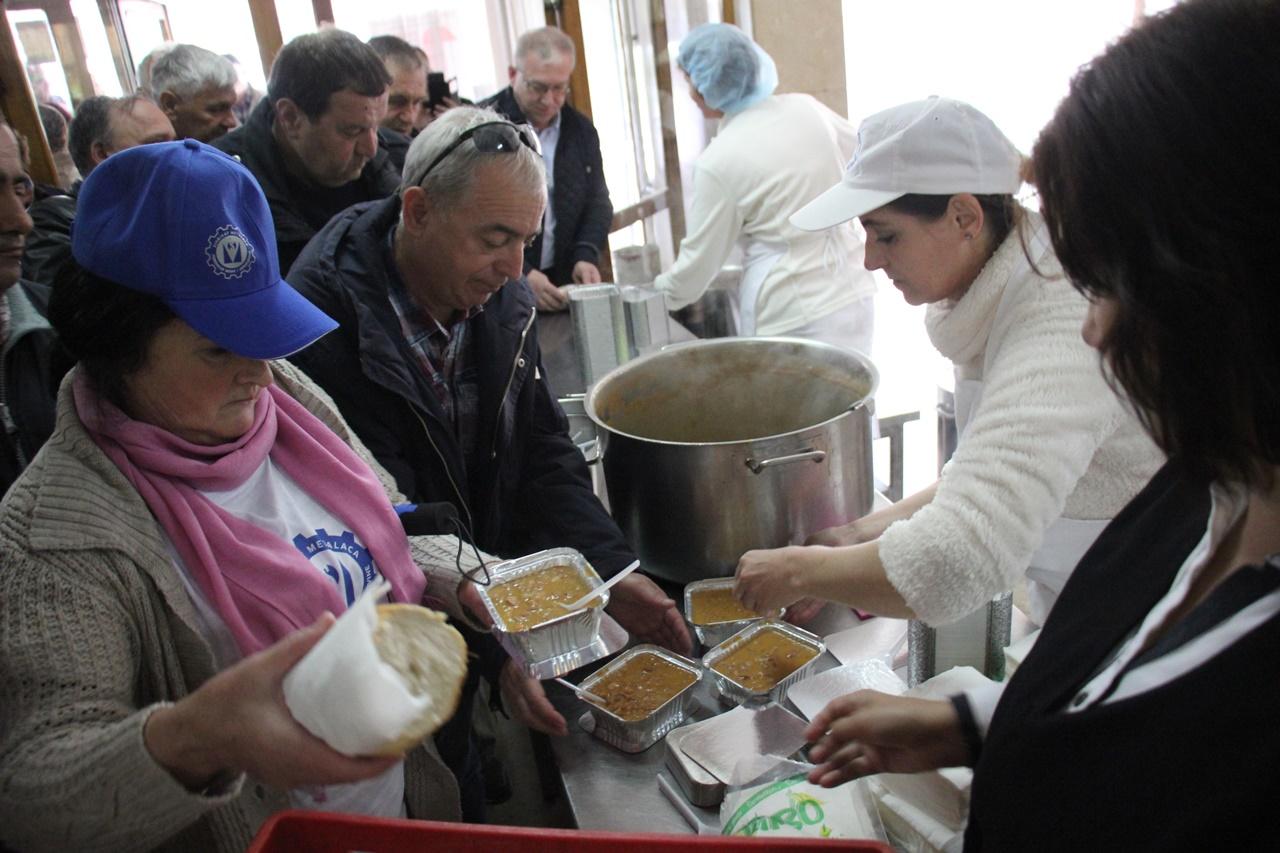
(771, 154)
(198, 511)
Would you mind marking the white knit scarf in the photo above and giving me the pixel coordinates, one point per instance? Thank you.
(960, 328)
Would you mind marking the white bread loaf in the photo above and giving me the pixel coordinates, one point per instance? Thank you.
(381, 679)
(431, 657)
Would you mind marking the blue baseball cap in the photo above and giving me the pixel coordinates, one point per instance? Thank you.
(188, 224)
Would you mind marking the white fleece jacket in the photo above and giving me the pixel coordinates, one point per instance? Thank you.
(1048, 439)
(764, 164)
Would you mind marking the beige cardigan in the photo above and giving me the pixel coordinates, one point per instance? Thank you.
(96, 630)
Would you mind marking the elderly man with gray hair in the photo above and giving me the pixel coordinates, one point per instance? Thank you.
(437, 368)
(196, 89)
(576, 224)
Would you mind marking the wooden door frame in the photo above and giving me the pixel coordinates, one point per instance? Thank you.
(19, 104)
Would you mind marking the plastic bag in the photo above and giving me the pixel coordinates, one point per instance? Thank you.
(781, 803)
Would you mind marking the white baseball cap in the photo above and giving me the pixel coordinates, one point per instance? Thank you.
(936, 146)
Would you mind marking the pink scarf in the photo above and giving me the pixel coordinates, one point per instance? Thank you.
(261, 585)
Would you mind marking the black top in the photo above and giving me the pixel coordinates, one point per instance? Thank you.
(396, 144)
(32, 365)
(580, 199)
(49, 243)
(532, 489)
(1189, 765)
(300, 207)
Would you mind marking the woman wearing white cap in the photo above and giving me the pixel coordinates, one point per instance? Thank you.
(771, 154)
(1046, 455)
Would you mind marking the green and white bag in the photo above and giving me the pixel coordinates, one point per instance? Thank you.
(783, 804)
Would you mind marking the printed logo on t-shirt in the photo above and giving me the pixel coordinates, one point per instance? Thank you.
(347, 563)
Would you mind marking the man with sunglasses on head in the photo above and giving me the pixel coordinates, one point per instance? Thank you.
(576, 223)
(437, 368)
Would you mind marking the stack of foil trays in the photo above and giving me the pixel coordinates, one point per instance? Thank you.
(612, 325)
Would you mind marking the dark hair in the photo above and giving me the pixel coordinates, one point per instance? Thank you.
(1160, 183)
(55, 127)
(1000, 211)
(105, 326)
(91, 124)
(309, 69)
(397, 50)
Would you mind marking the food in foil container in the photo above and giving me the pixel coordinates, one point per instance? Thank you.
(542, 637)
(713, 613)
(530, 600)
(619, 722)
(641, 685)
(764, 659)
(714, 604)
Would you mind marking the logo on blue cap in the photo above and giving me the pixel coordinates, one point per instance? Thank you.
(229, 252)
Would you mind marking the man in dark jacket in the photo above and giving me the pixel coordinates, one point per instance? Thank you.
(312, 142)
(406, 97)
(436, 367)
(31, 361)
(576, 223)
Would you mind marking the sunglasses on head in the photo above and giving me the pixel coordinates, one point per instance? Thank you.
(490, 137)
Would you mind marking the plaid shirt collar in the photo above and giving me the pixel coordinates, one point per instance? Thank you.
(440, 352)
(416, 323)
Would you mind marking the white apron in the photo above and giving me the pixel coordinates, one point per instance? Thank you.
(758, 259)
(1065, 540)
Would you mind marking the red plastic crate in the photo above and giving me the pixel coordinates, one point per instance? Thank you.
(320, 832)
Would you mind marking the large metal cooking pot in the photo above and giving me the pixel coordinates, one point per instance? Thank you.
(712, 448)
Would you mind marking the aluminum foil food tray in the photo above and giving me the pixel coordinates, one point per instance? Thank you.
(697, 784)
(715, 633)
(639, 735)
(557, 637)
(733, 693)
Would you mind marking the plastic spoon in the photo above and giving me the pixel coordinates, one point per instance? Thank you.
(574, 605)
(583, 694)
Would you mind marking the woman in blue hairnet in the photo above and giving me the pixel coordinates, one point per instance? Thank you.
(771, 155)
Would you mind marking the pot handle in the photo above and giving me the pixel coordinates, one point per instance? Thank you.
(758, 465)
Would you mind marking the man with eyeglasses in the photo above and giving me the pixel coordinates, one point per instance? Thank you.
(436, 366)
(576, 223)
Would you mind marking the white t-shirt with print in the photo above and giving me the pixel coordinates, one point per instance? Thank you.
(274, 501)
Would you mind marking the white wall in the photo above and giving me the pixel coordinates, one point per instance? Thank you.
(1012, 59)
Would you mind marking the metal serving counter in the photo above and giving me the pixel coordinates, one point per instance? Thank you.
(610, 790)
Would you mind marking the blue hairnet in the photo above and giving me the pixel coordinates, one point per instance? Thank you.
(728, 69)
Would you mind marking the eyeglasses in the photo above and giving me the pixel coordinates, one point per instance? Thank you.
(490, 137)
(541, 90)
